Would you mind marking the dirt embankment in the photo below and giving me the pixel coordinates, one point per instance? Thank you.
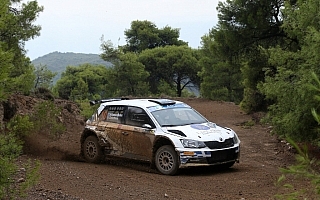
(40, 144)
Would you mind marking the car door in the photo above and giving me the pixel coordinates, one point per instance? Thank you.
(138, 139)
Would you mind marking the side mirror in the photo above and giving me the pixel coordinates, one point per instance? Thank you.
(147, 126)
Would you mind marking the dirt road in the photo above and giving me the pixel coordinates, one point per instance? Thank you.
(65, 176)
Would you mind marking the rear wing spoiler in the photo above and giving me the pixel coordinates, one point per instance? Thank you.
(94, 102)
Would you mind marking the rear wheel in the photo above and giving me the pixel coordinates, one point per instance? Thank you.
(91, 149)
(166, 160)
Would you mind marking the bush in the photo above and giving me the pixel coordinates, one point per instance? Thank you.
(11, 144)
(293, 99)
(304, 169)
(86, 109)
(46, 119)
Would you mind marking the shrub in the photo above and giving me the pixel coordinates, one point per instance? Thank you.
(86, 109)
(46, 119)
(304, 169)
(11, 144)
(306, 166)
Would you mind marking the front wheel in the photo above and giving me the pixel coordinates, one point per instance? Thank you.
(166, 160)
(91, 149)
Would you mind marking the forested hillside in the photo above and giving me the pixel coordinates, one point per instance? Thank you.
(57, 61)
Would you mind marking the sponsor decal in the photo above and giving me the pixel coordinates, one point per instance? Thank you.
(205, 132)
(114, 116)
(212, 125)
(161, 107)
(199, 127)
(186, 155)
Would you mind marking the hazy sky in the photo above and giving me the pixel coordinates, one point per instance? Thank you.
(78, 25)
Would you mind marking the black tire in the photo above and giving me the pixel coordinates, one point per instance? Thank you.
(92, 151)
(166, 160)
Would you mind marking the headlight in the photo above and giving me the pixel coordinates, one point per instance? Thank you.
(236, 139)
(192, 143)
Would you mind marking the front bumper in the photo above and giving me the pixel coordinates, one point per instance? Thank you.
(205, 158)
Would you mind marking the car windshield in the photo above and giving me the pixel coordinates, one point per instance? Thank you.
(178, 117)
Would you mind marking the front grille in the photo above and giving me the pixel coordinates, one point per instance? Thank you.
(222, 156)
(220, 145)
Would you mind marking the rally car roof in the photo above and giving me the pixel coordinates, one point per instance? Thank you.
(139, 102)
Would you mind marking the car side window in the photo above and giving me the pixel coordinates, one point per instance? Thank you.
(137, 117)
(103, 115)
(115, 114)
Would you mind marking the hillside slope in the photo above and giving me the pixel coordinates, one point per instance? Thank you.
(57, 61)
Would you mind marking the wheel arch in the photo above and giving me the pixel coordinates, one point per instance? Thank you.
(159, 142)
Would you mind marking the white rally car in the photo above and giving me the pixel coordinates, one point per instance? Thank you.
(169, 134)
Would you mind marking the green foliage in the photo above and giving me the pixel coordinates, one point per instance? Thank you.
(175, 65)
(305, 169)
(221, 82)
(315, 111)
(165, 89)
(21, 126)
(22, 83)
(251, 100)
(30, 177)
(145, 35)
(46, 119)
(7, 169)
(110, 53)
(301, 18)
(220, 77)
(233, 48)
(252, 70)
(44, 93)
(129, 76)
(248, 124)
(16, 75)
(84, 81)
(290, 114)
(11, 144)
(86, 109)
(15, 29)
(44, 77)
(162, 57)
(244, 23)
(287, 83)
(6, 64)
(81, 90)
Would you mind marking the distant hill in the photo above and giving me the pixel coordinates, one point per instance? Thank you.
(58, 62)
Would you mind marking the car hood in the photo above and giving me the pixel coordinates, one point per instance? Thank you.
(202, 132)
